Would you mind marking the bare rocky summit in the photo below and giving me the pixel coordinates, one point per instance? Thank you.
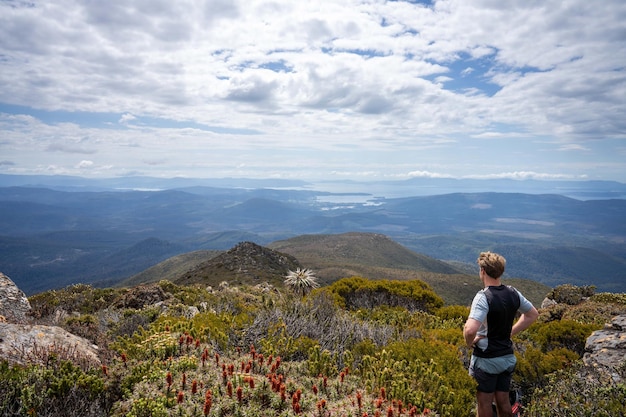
(246, 262)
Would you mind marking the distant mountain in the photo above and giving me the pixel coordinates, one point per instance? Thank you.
(72, 183)
(51, 238)
(376, 256)
(331, 257)
(358, 249)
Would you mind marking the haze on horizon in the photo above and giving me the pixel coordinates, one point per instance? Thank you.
(346, 90)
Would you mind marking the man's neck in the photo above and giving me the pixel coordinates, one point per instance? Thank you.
(490, 282)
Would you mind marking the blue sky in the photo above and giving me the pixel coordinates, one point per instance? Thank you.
(356, 89)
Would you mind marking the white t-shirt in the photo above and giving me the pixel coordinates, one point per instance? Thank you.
(480, 308)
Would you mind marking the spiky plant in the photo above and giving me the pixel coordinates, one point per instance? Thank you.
(301, 281)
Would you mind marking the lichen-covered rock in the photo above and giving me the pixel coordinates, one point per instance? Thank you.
(14, 306)
(606, 349)
(35, 344)
(547, 303)
(142, 296)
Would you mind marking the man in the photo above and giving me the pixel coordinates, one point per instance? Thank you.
(488, 331)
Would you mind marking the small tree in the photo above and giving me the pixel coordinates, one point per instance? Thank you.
(301, 281)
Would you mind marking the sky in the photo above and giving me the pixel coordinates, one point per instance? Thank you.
(314, 90)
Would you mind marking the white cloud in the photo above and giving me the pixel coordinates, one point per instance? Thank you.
(573, 147)
(426, 174)
(344, 83)
(127, 118)
(85, 164)
(522, 175)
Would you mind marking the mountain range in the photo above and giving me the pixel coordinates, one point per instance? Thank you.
(54, 234)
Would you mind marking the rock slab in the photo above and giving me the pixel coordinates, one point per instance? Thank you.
(606, 348)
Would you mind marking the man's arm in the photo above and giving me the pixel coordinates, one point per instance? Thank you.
(469, 331)
(525, 321)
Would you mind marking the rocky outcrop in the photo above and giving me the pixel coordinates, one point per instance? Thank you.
(142, 296)
(605, 349)
(22, 343)
(33, 344)
(14, 306)
(246, 263)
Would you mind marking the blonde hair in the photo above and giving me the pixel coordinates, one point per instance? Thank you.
(492, 263)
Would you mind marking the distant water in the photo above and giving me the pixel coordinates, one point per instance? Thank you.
(376, 192)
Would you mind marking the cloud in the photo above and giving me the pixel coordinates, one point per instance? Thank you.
(526, 175)
(127, 118)
(85, 164)
(573, 147)
(69, 148)
(340, 83)
(427, 174)
(467, 71)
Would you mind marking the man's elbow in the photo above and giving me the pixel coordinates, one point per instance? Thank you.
(469, 333)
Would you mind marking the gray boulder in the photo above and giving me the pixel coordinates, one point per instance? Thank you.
(23, 343)
(14, 306)
(605, 349)
(34, 344)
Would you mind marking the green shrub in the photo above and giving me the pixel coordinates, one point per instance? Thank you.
(609, 297)
(593, 312)
(279, 343)
(149, 407)
(533, 365)
(453, 312)
(423, 373)
(358, 292)
(322, 362)
(59, 389)
(566, 334)
(577, 392)
(81, 298)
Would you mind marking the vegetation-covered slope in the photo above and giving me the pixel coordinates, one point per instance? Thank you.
(332, 257)
(245, 263)
(362, 249)
(260, 351)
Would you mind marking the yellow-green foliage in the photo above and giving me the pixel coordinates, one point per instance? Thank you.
(395, 335)
(147, 344)
(321, 362)
(567, 334)
(453, 312)
(406, 322)
(423, 373)
(568, 394)
(533, 365)
(149, 407)
(80, 297)
(608, 297)
(56, 388)
(595, 311)
(188, 295)
(358, 292)
(279, 343)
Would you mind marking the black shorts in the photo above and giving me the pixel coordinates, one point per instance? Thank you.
(493, 382)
